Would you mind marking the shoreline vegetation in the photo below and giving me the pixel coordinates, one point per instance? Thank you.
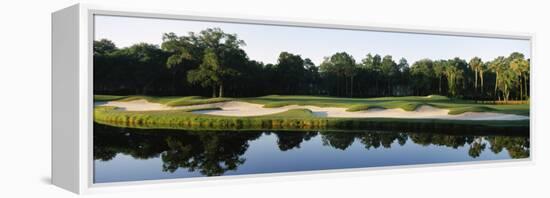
(305, 119)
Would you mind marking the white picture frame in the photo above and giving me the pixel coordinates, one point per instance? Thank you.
(72, 96)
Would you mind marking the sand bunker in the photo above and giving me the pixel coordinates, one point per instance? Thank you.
(243, 109)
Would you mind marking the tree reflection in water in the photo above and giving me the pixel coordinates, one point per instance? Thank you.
(287, 140)
(213, 152)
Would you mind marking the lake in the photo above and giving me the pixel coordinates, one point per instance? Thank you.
(127, 154)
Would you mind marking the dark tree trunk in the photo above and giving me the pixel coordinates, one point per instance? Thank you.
(174, 83)
(213, 91)
(345, 86)
(520, 88)
(440, 79)
(351, 94)
(496, 86)
(376, 91)
(389, 87)
(337, 86)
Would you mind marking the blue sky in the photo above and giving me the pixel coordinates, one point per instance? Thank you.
(265, 42)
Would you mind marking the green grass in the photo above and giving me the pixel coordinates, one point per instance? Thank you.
(457, 107)
(301, 118)
(107, 97)
(155, 99)
(296, 119)
(186, 119)
(195, 100)
(460, 110)
(408, 103)
(202, 109)
(363, 107)
(405, 105)
(166, 100)
(293, 113)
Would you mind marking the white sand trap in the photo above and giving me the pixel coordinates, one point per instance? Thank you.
(243, 109)
(240, 109)
(231, 108)
(134, 105)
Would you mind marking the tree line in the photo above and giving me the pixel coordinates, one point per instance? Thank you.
(213, 63)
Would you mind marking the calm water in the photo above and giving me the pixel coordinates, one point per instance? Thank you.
(122, 154)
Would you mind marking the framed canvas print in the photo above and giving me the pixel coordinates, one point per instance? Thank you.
(144, 97)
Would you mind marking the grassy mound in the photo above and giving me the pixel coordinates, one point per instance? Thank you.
(437, 97)
(195, 100)
(166, 100)
(460, 110)
(405, 105)
(293, 113)
(107, 97)
(193, 97)
(363, 107)
(153, 99)
(276, 104)
(411, 106)
(408, 103)
(202, 109)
